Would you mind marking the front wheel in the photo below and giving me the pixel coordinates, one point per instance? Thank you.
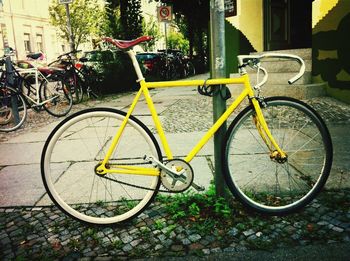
(77, 146)
(13, 109)
(267, 185)
(56, 96)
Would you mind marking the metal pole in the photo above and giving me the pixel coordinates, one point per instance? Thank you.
(70, 32)
(218, 70)
(11, 82)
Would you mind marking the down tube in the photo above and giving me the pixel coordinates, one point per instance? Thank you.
(217, 125)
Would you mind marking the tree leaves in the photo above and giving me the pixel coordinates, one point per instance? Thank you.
(88, 18)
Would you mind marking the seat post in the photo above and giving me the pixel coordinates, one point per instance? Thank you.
(136, 65)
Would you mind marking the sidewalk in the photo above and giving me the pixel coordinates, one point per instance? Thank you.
(33, 231)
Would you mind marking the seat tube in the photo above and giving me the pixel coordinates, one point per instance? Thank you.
(136, 65)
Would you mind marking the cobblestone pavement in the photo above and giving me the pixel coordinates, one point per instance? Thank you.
(35, 233)
(46, 233)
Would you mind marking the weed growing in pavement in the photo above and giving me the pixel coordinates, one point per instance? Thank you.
(116, 244)
(205, 210)
(159, 224)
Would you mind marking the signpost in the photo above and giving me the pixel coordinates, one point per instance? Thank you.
(69, 26)
(165, 14)
(218, 70)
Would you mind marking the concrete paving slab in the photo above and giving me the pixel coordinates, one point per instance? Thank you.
(20, 153)
(30, 137)
(20, 185)
(203, 174)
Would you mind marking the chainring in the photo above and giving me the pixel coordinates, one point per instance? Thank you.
(180, 182)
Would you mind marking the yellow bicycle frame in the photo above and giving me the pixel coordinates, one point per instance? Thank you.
(105, 168)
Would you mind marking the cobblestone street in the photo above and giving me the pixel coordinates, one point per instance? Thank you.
(44, 232)
(29, 232)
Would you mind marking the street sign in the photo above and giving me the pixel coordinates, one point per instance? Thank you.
(230, 8)
(65, 1)
(165, 13)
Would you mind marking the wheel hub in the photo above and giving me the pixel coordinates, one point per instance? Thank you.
(276, 156)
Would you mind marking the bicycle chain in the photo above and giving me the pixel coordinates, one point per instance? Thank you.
(136, 186)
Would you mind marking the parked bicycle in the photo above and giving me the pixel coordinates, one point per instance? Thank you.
(180, 64)
(46, 90)
(82, 79)
(103, 165)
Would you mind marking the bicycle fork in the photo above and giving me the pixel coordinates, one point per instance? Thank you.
(276, 153)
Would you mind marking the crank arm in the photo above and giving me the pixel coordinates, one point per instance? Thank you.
(197, 187)
(169, 171)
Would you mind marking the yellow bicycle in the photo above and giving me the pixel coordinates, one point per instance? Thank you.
(104, 166)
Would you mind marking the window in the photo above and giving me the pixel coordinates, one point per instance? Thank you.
(39, 43)
(26, 39)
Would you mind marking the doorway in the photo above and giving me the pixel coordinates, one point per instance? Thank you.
(287, 24)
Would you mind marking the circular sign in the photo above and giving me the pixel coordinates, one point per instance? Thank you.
(164, 13)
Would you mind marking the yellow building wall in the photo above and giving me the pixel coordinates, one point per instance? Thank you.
(249, 20)
(320, 8)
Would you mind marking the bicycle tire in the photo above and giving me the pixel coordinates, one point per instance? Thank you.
(75, 84)
(263, 184)
(190, 70)
(28, 85)
(73, 150)
(55, 90)
(93, 83)
(8, 121)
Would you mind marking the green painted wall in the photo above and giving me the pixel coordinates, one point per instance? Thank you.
(331, 51)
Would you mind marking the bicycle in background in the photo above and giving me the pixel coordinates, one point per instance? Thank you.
(43, 88)
(82, 79)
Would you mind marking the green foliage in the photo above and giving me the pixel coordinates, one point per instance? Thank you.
(113, 27)
(198, 206)
(116, 74)
(87, 17)
(193, 20)
(130, 19)
(159, 224)
(151, 28)
(176, 40)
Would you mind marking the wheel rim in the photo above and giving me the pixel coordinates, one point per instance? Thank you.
(265, 184)
(96, 200)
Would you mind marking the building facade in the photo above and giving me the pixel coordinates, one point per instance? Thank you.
(25, 27)
(322, 26)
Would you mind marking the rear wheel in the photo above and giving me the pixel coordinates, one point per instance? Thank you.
(77, 146)
(13, 109)
(189, 69)
(75, 85)
(267, 184)
(56, 95)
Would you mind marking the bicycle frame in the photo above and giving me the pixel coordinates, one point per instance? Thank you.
(36, 72)
(144, 89)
